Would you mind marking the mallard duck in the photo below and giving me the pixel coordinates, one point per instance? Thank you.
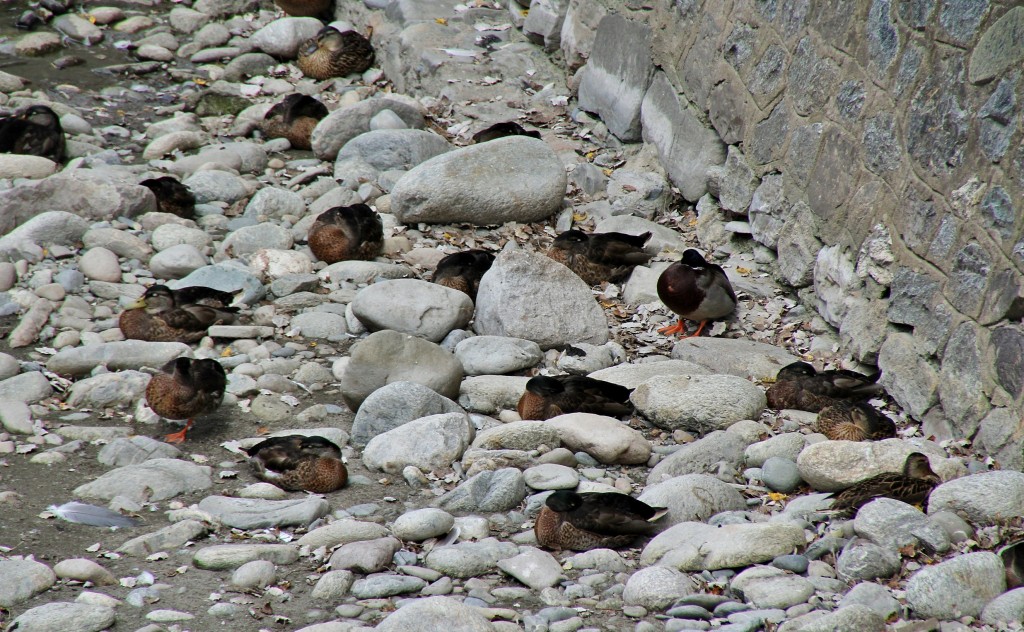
(696, 290)
(599, 256)
(305, 8)
(34, 130)
(184, 389)
(334, 53)
(172, 196)
(546, 397)
(346, 232)
(1013, 559)
(501, 130)
(298, 463)
(800, 386)
(912, 486)
(854, 421)
(166, 315)
(462, 271)
(580, 522)
(294, 118)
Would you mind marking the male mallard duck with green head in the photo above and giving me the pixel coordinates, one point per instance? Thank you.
(696, 290)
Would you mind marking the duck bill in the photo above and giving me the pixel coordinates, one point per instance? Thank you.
(137, 304)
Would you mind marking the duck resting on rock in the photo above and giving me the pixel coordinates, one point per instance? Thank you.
(800, 386)
(580, 522)
(184, 389)
(854, 421)
(294, 118)
(343, 233)
(334, 53)
(184, 315)
(305, 8)
(696, 290)
(600, 257)
(34, 130)
(462, 271)
(299, 463)
(913, 486)
(550, 396)
(501, 130)
(172, 196)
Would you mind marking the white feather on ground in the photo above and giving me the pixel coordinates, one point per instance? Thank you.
(84, 513)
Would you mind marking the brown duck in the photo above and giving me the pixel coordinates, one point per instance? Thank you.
(550, 396)
(501, 130)
(911, 486)
(800, 386)
(185, 389)
(172, 196)
(600, 256)
(580, 522)
(299, 463)
(462, 271)
(305, 8)
(166, 315)
(696, 290)
(334, 53)
(346, 232)
(854, 421)
(294, 118)
(34, 130)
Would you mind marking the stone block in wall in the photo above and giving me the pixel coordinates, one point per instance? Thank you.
(937, 123)
(616, 78)
(802, 154)
(710, 227)
(875, 257)
(767, 143)
(729, 110)
(798, 246)
(543, 23)
(834, 174)
(863, 328)
(1000, 47)
(1000, 435)
(915, 299)
(685, 145)
(834, 280)
(703, 54)
(997, 120)
(963, 387)
(733, 182)
(968, 279)
(911, 378)
(922, 213)
(812, 79)
(579, 28)
(766, 211)
(640, 193)
(768, 77)
(1007, 349)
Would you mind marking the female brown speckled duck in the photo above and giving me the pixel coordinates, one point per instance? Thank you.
(854, 421)
(462, 271)
(34, 130)
(600, 256)
(580, 522)
(346, 232)
(172, 196)
(550, 396)
(696, 290)
(800, 386)
(185, 389)
(305, 8)
(294, 118)
(166, 315)
(297, 463)
(334, 53)
(911, 486)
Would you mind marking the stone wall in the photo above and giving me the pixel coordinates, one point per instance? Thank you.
(875, 146)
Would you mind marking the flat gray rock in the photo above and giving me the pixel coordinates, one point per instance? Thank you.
(411, 306)
(633, 375)
(698, 403)
(694, 546)
(701, 456)
(386, 585)
(116, 356)
(365, 556)
(527, 295)
(534, 568)
(985, 498)
(109, 389)
(490, 491)
(221, 557)
(862, 559)
(429, 443)
(22, 580)
(419, 524)
(657, 587)
(156, 479)
(606, 439)
(518, 435)
(692, 498)
(496, 355)
(831, 466)
(743, 358)
(66, 617)
(344, 124)
(894, 524)
(129, 451)
(489, 394)
(395, 404)
(470, 559)
(958, 587)
(255, 513)
(436, 613)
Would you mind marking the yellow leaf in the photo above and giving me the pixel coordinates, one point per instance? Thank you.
(607, 172)
(524, 12)
(200, 81)
(226, 353)
(742, 270)
(92, 19)
(579, 217)
(776, 496)
(441, 21)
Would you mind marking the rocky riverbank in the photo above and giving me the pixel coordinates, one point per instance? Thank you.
(434, 530)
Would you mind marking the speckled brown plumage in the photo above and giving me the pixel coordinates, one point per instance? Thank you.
(294, 118)
(305, 8)
(172, 196)
(299, 463)
(501, 130)
(184, 389)
(854, 421)
(912, 486)
(333, 53)
(599, 256)
(462, 271)
(34, 130)
(580, 522)
(346, 232)
(165, 315)
(801, 387)
(697, 290)
(550, 396)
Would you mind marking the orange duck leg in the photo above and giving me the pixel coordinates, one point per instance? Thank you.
(179, 437)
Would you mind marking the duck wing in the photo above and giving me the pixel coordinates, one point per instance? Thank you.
(612, 514)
